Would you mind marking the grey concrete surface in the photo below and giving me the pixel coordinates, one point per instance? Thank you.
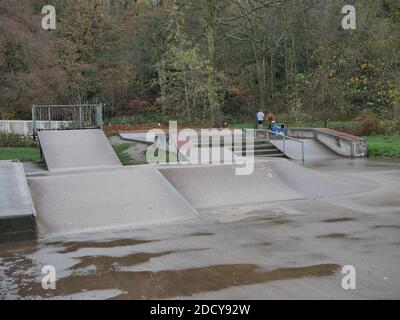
(71, 149)
(293, 248)
(313, 150)
(216, 186)
(82, 202)
(272, 180)
(17, 213)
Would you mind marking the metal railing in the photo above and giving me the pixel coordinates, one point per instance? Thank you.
(82, 116)
(268, 134)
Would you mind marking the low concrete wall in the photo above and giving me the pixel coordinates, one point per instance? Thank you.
(25, 127)
(17, 213)
(342, 143)
(301, 133)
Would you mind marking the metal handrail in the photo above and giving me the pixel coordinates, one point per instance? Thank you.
(284, 138)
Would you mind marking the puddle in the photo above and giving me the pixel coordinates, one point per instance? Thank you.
(26, 247)
(265, 244)
(394, 226)
(333, 236)
(175, 283)
(106, 263)
(77, 245)
(338, 220)
(280, 221)
(201, 234)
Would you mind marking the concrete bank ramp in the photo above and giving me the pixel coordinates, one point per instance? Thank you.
(218, 186)
(17, 214)
(104, 200)
(272, 180)
(72, 149)
(313, 150)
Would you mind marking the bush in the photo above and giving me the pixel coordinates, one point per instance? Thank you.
(15, 140)
(368, 124)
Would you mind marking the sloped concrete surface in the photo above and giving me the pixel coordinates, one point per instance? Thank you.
(71, 149)
(313, 150)
(272, 180)
(106, 200)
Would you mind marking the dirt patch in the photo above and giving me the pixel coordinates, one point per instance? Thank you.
(175, 283)
(338, 220)
(77, 245)
(136, 151)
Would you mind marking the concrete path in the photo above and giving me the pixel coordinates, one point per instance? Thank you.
(17, 214)
(72, 149)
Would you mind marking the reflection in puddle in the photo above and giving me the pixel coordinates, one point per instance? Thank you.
(77, 245)
(393, 226)
(338, 220)
(175, 283)
(333, 236)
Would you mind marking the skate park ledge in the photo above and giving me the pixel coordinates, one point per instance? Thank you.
(341, 143)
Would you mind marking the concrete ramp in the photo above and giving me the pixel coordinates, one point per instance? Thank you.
(218, 186)
(72, 149)
(313, 150)
(123, 198)
(17, 214)
(315, 184)
(272, 180)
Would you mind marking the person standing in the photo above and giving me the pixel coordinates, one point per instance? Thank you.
(260, 119)
(271, 119)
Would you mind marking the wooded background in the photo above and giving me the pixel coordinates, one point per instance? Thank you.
(202, 61)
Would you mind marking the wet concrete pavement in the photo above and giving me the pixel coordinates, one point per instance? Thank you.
(292, 249)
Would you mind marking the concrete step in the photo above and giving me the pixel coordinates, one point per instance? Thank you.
(262, 152)
(257, 147)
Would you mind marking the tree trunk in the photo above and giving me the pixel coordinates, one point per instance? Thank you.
(210, 36)
(397, 116)
(187, 100)
(162, 79)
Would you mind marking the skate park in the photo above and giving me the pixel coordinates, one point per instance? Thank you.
(188, 229)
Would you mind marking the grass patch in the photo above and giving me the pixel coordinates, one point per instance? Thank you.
(384, 146)
(125, 158)
(23, 154)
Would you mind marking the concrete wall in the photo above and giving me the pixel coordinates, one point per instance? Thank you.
(341, 143)
(23, 127)
(301, 133)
